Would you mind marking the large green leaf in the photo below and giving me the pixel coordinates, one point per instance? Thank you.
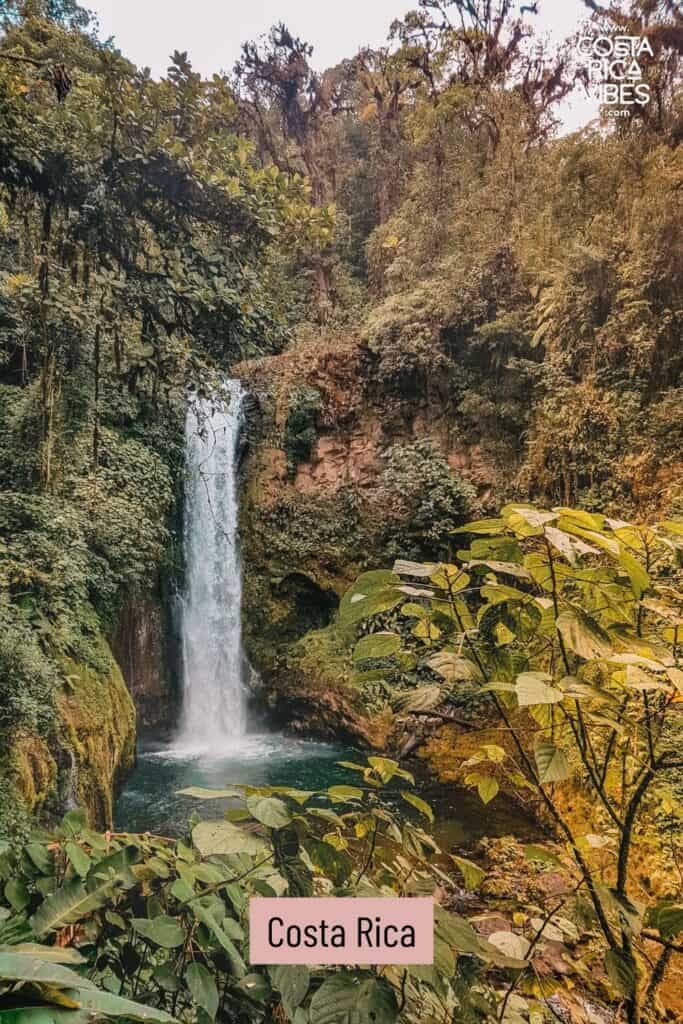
(51, 954)
(620, 972)
(583, 635)
(482, 526)
(203, 988)
(640, 581)
(70, 904)
(424, 698)
(373, 592)
(45, 1015)
(345, 996)
(220, 932)
(535, 688)
(292, 982)
(452, 667)
(551, 762)
(221, 837)
(31, 968)
(342, 793)
(456, 931)
(669, 920)
(269, 811)
(79, 859)
(16, 894)
(377, 645)
(472, 874)
(255, 986)
(163, 931)
(421, 805)
(107, 1005)
(385, 767)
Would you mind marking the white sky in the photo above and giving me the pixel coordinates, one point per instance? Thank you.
(212, 31)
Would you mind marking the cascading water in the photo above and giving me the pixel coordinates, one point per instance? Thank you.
(214, 714)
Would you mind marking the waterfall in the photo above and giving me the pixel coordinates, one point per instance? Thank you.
(213, 715)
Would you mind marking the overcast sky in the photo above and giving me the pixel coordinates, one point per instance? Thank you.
(212, 31)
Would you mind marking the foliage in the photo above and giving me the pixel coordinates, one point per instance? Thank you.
(425, 495)
(164, 922)
(301, 427)
(571, 623)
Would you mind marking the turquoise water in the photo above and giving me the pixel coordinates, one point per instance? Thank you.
(150, 801)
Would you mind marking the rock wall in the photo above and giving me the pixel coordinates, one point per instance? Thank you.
(144, 646)
(339, 477)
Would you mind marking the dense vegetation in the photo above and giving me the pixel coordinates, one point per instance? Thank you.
(414, 212)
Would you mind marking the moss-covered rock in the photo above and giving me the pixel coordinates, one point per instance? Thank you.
(311, 693)
(96, 730)
(81, 759)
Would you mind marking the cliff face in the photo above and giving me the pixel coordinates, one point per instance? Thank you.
(144, 648)
(340, 477)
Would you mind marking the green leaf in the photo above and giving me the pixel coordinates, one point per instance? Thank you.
(583, 635)
(620, 972)
(203, 988)
(534, 688)
(51, 954)
(340, 794)
(417, 802)
(200, 793)
(424, 698)
(256, 987)
(269, 811)
(482, 526)
(456, 931)
(551, 762)
(384, 766)
(221, 837)
(373, 592)
(45, 1015)
(292, 982)
(166, 977)
(221, 933)
(505, 568)
(68, 905)
(669, 920)
(79, 859)
(640, 581)
(539, 853)
(163, 931)
(345, 996)
(40, 856)
(472, 874)
(17, 894)
(452, 667)
(487, 788)
(377, 645)
(31, 968)
(103, 1003)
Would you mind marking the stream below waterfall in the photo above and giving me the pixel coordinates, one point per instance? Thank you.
(213, 747)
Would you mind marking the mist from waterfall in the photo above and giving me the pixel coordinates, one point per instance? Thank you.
(214, 714)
